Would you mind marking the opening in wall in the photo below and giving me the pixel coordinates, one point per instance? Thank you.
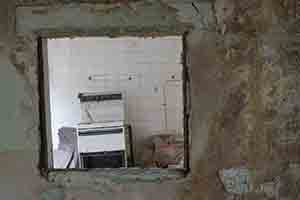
(114, 102)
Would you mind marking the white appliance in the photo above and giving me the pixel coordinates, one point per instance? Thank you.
(101, 135)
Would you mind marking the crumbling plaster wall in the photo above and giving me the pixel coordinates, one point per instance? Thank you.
(244, 66)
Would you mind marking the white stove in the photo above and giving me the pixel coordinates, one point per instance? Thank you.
(101, 136)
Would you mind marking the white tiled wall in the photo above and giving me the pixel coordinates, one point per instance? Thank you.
(148, 70)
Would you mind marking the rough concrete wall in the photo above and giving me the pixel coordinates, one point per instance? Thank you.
(246, 71)
(244, 59)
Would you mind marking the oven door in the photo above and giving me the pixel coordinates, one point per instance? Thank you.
(112, 159)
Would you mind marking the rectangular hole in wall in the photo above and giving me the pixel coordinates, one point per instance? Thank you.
(114, 102)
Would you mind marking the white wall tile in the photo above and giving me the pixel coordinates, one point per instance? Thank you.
(140, 67)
